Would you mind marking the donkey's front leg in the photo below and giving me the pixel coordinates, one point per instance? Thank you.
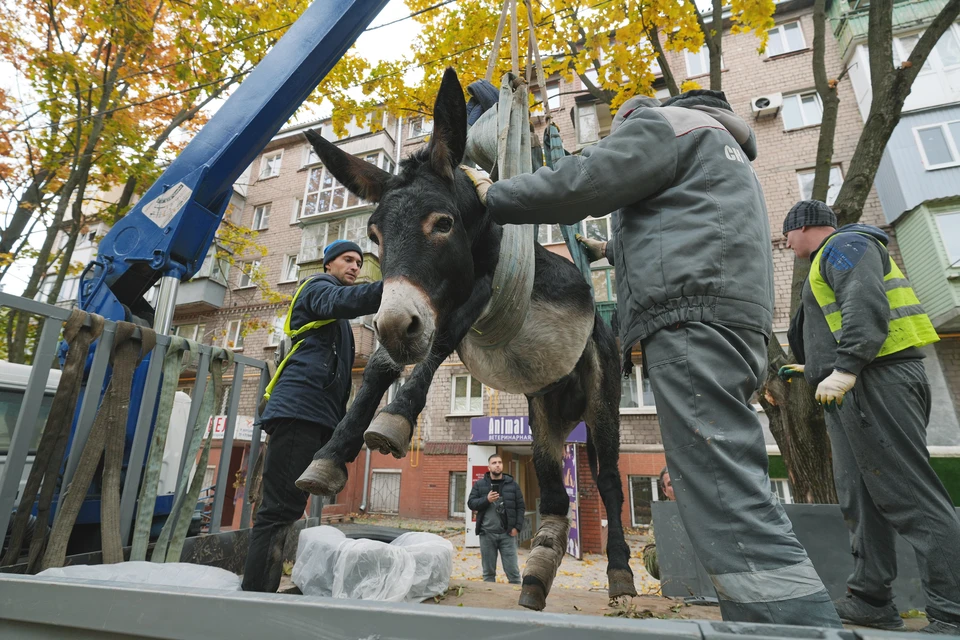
(327, 474)
(391, 430)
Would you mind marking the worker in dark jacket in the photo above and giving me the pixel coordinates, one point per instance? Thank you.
(498, 501)
(857, 336)
(694, 270)
(308, 399)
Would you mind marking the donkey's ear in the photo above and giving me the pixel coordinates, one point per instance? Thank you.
(449, 140)
(359, 176)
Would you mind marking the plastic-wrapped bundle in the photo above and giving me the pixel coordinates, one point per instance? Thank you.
(166, 574)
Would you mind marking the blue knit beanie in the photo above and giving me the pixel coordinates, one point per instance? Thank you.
(338, 247)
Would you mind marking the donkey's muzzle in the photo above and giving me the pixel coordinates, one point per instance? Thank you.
(405, 322)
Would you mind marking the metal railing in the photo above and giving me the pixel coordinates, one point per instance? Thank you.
(51, 319)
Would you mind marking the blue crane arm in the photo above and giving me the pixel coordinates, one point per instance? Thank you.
(169, 231)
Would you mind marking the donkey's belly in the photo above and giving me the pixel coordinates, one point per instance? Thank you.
(547, 348)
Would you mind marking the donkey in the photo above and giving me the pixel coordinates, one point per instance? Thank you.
(438, 254)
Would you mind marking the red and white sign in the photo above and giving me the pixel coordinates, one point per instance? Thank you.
(242, 433)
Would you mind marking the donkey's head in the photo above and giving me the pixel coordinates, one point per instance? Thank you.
(426, 224)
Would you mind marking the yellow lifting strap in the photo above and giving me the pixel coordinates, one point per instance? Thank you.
(909, 325)
(293, 334)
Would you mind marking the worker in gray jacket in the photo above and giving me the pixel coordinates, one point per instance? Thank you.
(694, 273)
(857, 335)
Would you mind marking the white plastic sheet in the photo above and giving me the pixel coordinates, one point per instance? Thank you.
(166, 574)
(412, 568)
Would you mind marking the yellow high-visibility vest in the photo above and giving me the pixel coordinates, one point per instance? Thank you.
(292, 334)
(909, 325)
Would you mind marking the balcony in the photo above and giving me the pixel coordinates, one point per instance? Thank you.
(206, 290)
(606, 311)
(931, 257)
(850, 20)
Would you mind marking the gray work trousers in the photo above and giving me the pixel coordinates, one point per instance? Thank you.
(885, 483)
(703, 376)
(504, 544)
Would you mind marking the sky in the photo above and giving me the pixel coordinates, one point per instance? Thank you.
(387, 43)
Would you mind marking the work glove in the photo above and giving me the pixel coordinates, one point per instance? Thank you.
(594, 249)
(790, 371)
(831, 391)
(481, 182)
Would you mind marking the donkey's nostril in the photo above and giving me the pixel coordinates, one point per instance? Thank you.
(415, 327)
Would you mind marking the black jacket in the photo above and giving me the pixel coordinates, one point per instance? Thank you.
(512, 501)
(315, 384)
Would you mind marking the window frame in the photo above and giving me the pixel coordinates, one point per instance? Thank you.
(275, 332)
(800, 95)
(286, 266)
(265, 164)
(953, 145)
(553, 91)
(808, 196)
(783, 38)
(254, 265)
(643, 409)
(704, 54)
(452, 495)
(469, 411)
(237, 337)
(199, 330)
(425, 127)
(654, 494)
(306, 205)
(263, 210)
(943, 214)
(787, 490)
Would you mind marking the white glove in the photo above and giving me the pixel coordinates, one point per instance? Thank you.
(834, 387)
(481, 181)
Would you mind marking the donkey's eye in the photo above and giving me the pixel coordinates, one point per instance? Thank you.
(443, 225)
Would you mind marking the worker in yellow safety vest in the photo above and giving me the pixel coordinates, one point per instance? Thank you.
(857, 336)
(306, 399)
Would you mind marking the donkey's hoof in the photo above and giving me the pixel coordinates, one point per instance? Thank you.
(323, 477)
(621, 583)
(533, 595)
(389, 433)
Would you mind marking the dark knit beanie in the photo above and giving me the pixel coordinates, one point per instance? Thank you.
(809, 213)
(338, 247)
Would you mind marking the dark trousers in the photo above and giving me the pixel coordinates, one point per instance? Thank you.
(885, 483)
(292, 445)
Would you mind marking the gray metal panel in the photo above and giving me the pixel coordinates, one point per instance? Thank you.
(226, 448)
(889, 188)
(820, 529)
(60, 607)
(908, 176)
(26, 427)
(141, 436)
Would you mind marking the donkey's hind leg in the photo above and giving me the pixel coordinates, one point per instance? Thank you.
(602, 379)
(550, 542)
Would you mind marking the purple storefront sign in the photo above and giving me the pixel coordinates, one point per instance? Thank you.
(570, 484)
(513, 429)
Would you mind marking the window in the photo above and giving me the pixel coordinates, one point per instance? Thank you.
(419, 127)
(309, 156)
(247, 272)
(594, 228)
(785, 38)
(939, 80)
(387, 164)
(10, 402)
(270, 164)
(588, 126)
(549, 234)
(261, 217)
(636, 395)
(781, 488)
(297, 210)
(394, 389)
(458, 494)
(806, 184)
(276, 331)
(801, 110)
(643, 493)
(291, 271)
(467, 396)
(195, 332)
(604, 284)
(949, 224)
(939, 145)
(325, 194)
(316, 236)
(553, 96)
(698, 64)
(234, 336)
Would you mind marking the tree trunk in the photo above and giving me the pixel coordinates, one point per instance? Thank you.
(827, 89)
(26, 208)
(654, 35)
(17, 350)
(713, 38)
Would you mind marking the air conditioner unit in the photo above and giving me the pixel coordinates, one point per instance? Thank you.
(767, 106)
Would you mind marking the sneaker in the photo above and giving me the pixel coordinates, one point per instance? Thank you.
(942, 628)
(853, 610)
